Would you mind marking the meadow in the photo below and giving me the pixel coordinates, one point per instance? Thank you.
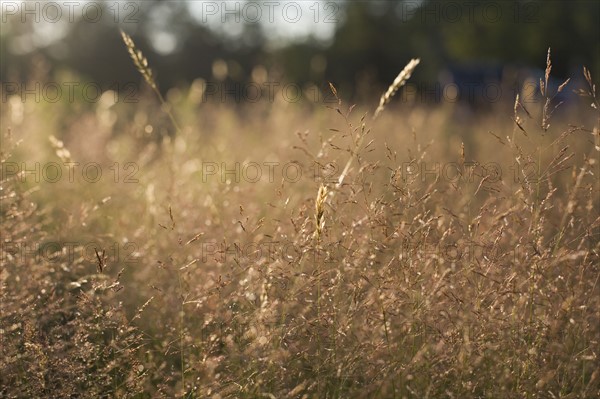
(175, 247)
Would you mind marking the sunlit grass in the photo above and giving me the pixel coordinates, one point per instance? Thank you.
(431, 269)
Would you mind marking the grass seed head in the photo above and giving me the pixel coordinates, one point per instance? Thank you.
(398, 82)
(141, 63)
(320, 210)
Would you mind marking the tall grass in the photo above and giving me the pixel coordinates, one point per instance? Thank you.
(409, 266)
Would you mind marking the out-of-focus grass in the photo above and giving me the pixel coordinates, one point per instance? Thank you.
(442, 270)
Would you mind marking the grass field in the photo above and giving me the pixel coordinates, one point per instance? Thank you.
(292, 250)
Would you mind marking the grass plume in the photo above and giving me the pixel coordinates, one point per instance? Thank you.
(400, 80)
(141, 64)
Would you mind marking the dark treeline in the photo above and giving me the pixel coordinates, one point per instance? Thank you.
(372, 41)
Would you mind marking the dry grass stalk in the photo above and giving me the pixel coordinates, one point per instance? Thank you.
(320, 211)
(140, 62)
(398, 82)
(591, 90)
(546, 112)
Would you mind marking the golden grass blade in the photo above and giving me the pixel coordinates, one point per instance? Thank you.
(140, 62)
(320, 211)
(398, 82)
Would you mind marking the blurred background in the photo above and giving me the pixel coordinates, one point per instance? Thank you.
(360, 46)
